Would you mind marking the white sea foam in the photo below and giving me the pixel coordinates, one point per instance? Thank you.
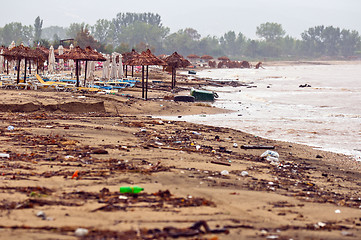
(326, 115)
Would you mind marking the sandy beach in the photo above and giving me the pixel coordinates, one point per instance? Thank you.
(68, 154)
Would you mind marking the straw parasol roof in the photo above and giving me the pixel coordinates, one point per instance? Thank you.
(146, 58)
(224, 58)
(193, 56)
(175, 60)
(206, 57)
(95, 54)
(78, 53)
(129, 55)
(20, 52)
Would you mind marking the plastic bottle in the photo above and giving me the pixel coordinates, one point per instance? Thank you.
(134, 189)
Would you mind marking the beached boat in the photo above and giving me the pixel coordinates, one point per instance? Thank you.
(203, 95)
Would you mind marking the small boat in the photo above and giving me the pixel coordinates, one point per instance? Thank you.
(203, 95)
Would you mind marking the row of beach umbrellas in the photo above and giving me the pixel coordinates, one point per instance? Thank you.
(112, 67)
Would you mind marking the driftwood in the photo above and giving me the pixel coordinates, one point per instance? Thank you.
(257, 147)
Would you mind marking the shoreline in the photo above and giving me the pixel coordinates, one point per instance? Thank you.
(66, 165)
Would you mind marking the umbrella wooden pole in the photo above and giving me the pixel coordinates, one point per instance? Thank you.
(86, 69)
(18, 77)
(126, 71)
(142, 81)
(146, 85)
(25, 71)
(77, 72)
(29, 66)
(132, 71)
(174, 76)
(7, 67)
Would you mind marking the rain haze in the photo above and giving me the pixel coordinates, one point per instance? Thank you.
(208, 17)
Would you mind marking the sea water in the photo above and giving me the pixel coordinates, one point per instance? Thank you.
(326, 115)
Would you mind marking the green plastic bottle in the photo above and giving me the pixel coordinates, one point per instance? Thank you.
(134, 189)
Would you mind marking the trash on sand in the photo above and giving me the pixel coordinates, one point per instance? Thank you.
(81, 232)
(41, 215)
(257, 147)
(4, 155)
(235, 145)
(134, 189)
(271, 156)
(224, 173)
(337, 211)
(76, 174)
(10, 128)
(244, 173)
(221, 163)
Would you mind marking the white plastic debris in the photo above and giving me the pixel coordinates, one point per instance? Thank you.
(4, 155)
(81, 232)
(10, 128)
(198, 147)
(337, 211)
(235, 145)
(224, 173)
(321, 224)
(244, 173)
(41, 215)
(271, 156)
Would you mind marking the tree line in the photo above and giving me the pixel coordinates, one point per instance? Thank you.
(140, 31)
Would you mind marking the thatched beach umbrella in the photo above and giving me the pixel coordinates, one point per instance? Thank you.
(145, 59)
(193, 56)
(127, 57)
(176, 61)
(206, 57)
(18, 53)
(42, 57)
(79, 54)
(224, 59)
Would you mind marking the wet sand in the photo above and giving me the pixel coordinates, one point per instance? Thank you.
(187, 193)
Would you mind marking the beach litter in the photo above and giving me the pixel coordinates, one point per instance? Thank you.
(10, 128)
(4, 155)
(81, 232)
(271, 156)
(128, 189)
(75, 174)
(224, 173)
(257, 146)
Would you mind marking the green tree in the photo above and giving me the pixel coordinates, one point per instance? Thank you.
(102, 31)
(84, 39)
(350, 42)
(49, 32)
(270, 31)
(74, 28)
(209, 46)
(141, 32)
(313, 41)
(38, 25)
(181, 42)
(124, 20)
(15, 31)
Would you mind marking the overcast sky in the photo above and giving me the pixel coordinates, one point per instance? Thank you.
(209, 17)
